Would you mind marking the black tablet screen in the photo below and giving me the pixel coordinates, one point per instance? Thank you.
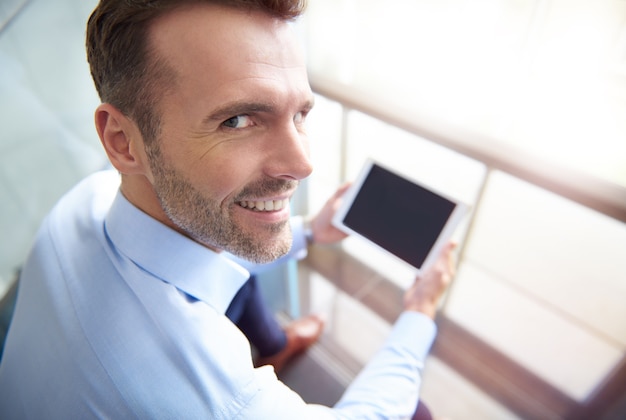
(398, 215)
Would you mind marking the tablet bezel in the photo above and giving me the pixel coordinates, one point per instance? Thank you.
(445, 234)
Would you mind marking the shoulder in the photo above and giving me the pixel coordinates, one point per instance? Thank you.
(85, 205)
(94, 195)
(74, 226)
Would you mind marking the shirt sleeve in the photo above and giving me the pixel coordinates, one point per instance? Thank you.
(388, 386)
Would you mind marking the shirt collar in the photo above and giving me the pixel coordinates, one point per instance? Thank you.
(173, 257)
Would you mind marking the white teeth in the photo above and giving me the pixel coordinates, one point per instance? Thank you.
(269, 205)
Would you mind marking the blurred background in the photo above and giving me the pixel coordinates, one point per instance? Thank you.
(517, 107)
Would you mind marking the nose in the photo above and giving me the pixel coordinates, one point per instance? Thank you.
(290, 157)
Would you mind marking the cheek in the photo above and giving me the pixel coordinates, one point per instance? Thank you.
(217, 168)
(219, 179)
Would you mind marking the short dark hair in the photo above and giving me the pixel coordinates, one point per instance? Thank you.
(126, 75)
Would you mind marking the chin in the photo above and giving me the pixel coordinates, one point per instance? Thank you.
(272, 249)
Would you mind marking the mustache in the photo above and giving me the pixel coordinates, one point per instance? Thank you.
(267, 187)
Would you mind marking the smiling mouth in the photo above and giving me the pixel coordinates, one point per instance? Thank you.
(271, 205)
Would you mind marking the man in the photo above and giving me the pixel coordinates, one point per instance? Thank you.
(120, 312)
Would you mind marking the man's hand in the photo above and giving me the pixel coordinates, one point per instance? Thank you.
(323, 230)
(426, 291)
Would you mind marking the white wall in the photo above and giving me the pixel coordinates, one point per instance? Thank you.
(47, 99)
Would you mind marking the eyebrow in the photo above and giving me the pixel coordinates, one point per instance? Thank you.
(239, 108)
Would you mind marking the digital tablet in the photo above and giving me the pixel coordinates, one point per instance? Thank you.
(399, 215)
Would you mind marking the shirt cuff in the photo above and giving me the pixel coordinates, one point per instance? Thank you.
(415, 331)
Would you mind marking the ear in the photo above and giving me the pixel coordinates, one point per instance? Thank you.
(122, 140)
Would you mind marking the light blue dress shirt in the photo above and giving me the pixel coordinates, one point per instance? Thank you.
(119, 316)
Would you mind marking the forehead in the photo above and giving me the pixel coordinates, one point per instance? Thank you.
(221, 48)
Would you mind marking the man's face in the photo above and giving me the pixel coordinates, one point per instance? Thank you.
(232, 147)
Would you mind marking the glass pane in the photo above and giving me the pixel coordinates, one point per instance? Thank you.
(547, 76)
(543, 281)
(324, 132)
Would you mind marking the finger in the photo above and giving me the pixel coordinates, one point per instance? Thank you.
(342, 189)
